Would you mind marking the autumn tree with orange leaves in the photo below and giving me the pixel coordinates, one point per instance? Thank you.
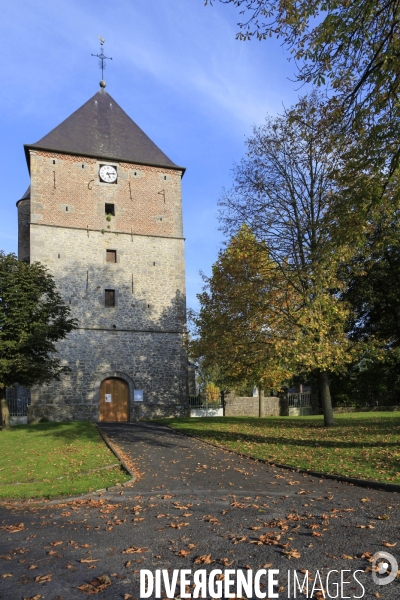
(238, 325)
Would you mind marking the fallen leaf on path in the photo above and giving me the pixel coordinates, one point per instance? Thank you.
(226, 562)
(178, 525)
(89, 560)
(205, 559)
(5, 575)
(388, 545)
(95, 585)
(43, 578)
(134, 550)
(291, 553)
(182, 553)
(13, 528)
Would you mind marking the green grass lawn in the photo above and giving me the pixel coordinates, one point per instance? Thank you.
(55, 459)
(362, 445)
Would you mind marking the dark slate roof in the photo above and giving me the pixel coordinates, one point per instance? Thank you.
(26, 196)
(101, 129)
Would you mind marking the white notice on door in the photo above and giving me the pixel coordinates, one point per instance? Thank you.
(108, 397)
(138, 395)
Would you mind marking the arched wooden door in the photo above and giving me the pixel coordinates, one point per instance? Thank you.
(114, 400)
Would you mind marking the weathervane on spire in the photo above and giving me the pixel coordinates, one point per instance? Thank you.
(102, 58)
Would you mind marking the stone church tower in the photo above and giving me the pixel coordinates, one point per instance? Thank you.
(104, 214)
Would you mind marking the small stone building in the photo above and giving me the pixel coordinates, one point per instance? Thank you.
(104, 214)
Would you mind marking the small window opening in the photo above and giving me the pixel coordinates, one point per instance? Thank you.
(83, 166)
(59, 256)
(160, 218)
(66, 209)
(165, 177)
(154, 264)
(109, 209)
(111, 256)
(109, 298)
(54, 162)
(148, 306)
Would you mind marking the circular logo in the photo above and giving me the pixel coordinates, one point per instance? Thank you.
(381, 563)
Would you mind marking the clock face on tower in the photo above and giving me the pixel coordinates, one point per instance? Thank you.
(108, 174)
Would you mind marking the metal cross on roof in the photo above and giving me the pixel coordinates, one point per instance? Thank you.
(102, 58)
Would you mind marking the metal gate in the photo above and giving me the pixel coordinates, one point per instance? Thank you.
(201, 406)
(300, 404)
(18, 400)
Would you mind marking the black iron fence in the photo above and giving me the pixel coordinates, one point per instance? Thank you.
(206, 402)
(18, 400)
(366, 400)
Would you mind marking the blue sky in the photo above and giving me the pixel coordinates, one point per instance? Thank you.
(178, 72)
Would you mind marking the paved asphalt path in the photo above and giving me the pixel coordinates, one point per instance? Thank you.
(193, 500)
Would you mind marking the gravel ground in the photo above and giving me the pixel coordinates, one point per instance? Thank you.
(198, 507)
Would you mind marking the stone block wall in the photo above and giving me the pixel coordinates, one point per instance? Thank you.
(240, 406)
(24, 217)
(142, 338)
(153, 362)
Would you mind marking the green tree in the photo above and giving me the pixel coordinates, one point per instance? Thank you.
(353, 48)
(285, 191)
(32, 319)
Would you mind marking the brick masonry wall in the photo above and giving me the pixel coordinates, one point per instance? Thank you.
(147, 200)
(142, 338)
(236, 406)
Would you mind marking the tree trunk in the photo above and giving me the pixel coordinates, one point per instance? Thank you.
(5, 413)
(326, 401)
(261, 411)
